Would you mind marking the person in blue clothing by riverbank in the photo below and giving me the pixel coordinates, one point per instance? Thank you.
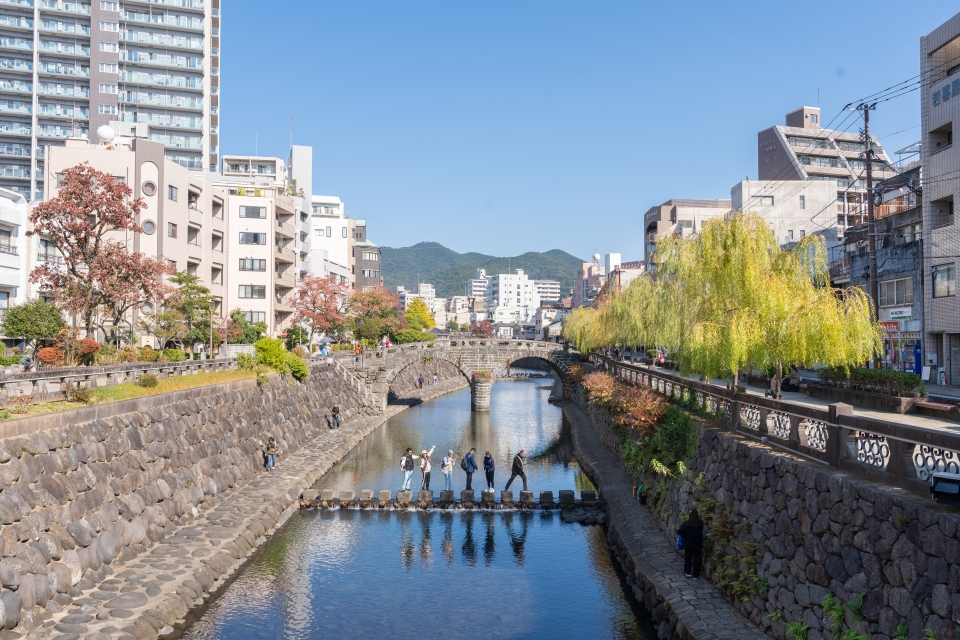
(489, 466)
(469, 464)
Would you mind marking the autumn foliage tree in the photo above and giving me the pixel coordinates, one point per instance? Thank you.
(320, 304)
(375, 312)
(481, 329)
(100, 279)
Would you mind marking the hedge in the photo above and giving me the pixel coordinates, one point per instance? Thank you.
(891, 383)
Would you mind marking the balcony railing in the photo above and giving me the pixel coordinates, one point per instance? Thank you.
(69, 50)
(158, 100)
(16, 85)
(20, 23)
(9, 248)
(66, 92)
(66, 7)
(14, 128)
(16, 43)
(64, 70)
(15, 150)
(64, 27)
(12, 64)
(195, 5)
(50, 256)
(15, 107)
(144, 37)
(181, 22)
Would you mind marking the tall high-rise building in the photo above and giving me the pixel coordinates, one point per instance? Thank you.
(149, 68)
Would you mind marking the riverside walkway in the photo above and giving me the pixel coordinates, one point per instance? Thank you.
(696, 604)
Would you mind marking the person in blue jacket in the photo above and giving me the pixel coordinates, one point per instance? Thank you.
(489, 466)
(469, 464)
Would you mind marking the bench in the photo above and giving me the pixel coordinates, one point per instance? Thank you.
(939, 406)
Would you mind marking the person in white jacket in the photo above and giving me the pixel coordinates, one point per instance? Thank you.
(425, 466)
(446, 468)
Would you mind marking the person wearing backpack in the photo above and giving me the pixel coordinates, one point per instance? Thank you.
(469, 464)
(690, 539)
(446, 467)
(406, 464)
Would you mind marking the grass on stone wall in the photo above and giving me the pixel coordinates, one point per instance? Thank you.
(125, 391)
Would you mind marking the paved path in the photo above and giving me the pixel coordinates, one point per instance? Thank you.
(700, 608)
(139, 596)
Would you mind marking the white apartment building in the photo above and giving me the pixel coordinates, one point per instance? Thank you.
(477, 287)
(68, 67)
(184, 219)
(331, 238)
(549, 290)
(512, 297)
(793, 208)
(611, 262)
(543, 318)
(940, 108)
(13, 248)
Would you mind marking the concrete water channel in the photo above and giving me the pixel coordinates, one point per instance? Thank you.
(504, 573)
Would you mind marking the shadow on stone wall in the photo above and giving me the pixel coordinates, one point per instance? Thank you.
(404, 386)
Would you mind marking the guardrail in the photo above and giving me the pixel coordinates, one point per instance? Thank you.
(885, 451)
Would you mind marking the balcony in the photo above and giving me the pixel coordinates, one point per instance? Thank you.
(56, 131)
(71, 28)
(285, 279)
(14, 129)
(285, 253)
(12, 22)
(161, 80)
(161, 20)
(26, 4)
(159, 60)
(159, 100)
(195, 216)
(61, 49)
(190, 5)
(16, 86)
(195, 250)
(50, 256)
(74, 8)
(49, 89)
(144, 37)
(16, 43)
(12, 64)
(165, 121)
(8, 248)
(17, 108)
(284, 229)
(177, 142)
(64, 70)
(59, 111)
(15, 150)
(284, 304)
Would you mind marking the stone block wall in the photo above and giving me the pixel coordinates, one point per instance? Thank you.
(405, 384)
(74, 497)
(816, 533)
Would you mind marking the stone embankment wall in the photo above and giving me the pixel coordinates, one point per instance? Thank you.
(82, 494)
(815, 533)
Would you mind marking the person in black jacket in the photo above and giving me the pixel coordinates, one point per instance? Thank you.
(517, 470)
(691, 531)
(490, 467)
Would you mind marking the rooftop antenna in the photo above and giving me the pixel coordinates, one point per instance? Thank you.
(256, 143)
(291, 133)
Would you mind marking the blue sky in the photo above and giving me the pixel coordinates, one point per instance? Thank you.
(503, 127)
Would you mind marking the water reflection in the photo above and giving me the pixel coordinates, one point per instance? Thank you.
(481, 574)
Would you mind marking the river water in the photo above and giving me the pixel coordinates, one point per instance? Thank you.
(463, 574)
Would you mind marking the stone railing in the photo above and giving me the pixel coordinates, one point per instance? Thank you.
(885, 451)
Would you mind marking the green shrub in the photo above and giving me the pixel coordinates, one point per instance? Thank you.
(148, 380)
(149, 354)
(245, 361)
(174, 355)
(6, 362)
(196, 356)
(297, 366)
(406, 336)
(885, 381)
(76, 393)
(270, 352)
(295, 336)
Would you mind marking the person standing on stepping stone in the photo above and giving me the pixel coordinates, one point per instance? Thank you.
(691, 536)
(425, 466)
(446, 468)
(406, 464)
(469, 464)
(517, 470)
(489, 466)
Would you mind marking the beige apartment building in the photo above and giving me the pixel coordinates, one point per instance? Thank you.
(184, 219)
(685, 217)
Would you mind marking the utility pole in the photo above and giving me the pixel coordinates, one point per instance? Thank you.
(871, 222)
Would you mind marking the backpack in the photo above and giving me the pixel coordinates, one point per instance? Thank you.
(463, 464)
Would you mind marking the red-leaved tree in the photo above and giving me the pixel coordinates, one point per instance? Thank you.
(481, 329)
(100, 279)
(375, 312)
(321, 303)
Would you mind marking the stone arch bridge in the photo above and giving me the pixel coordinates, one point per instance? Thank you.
(480, 361)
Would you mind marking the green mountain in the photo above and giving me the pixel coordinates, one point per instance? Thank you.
(448, 271)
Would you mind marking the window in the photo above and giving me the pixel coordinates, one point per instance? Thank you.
(108, 67)
(106, 5)
(257, 291)
(252, 264)
(109, 26)
(148, 227)
(253, 212)
(171, 230)
(896, 292)
(108, 88)
(369, 273)
(765, 201)
(803, 202)
(814, 118)
(344, 232)
(172, 192)
(109, 109)
(253, 238)
(318, 232)
(944, 281)
(373, 256)
(256, 316)
(329, 232)
(109, 47)
(790, 234)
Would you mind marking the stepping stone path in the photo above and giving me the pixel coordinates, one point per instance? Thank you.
(139, 597)
(695, 604)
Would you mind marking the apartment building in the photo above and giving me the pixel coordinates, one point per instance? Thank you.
(794, 209)
(68, 67)
(270, 238)
(512, 297)
(590, 280)
(685, 217)
(940, 108)
(364, 258)
(477, 286)
(625, 273)
(548, 290)
(331, 242)
(13, 248)
(184, 219)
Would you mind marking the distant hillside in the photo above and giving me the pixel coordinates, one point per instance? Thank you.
(449, 271)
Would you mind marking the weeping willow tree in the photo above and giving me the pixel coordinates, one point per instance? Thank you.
(730, 299)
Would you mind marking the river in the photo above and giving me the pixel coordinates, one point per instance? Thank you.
(463, 574)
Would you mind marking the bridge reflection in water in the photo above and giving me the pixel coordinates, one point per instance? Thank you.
(408, 574)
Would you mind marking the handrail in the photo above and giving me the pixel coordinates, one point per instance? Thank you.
(881, 449)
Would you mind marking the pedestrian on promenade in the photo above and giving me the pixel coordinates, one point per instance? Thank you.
(406, 464)
(691, 539)
(517, 469)
(272, 450)
(489, 466)
(335, 416)
(425, 466)
(434, 379)
(446, 468)
(469, 464)
(420, 382)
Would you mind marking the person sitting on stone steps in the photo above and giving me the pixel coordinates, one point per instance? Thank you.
(335, 416)
(517, 470)
(272, 450)
(691, 537)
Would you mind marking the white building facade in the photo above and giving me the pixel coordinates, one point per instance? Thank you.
(512, 297)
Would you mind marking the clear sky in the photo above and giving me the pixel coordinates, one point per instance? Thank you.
(507, 126)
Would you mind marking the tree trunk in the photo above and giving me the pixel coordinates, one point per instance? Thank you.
(779, 378)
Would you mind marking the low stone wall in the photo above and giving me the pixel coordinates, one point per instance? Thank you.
(93, 486)
(814, 533)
